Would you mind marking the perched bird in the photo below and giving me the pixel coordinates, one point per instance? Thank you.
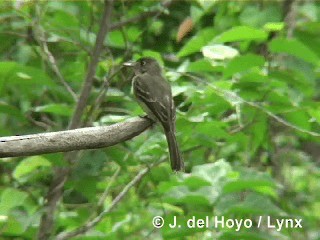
(153, 93)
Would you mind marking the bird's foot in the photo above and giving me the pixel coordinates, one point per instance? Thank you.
(149, 118)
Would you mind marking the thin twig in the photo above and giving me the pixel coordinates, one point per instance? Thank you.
(86, 88)
(41, 39)
(234, 96)
(289, 16)
(90, 224)
(142, 16)
(101, 96)
(106, 191)
(61, 173)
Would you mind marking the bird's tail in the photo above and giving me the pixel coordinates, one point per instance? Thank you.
(176, 159)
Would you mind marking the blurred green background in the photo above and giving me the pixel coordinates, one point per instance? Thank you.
(245, 76)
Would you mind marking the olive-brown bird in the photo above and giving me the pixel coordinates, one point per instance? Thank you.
(153, 93)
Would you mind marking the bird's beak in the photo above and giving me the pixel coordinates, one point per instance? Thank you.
(129, 64)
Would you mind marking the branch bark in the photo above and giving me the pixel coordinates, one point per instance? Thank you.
(70, 140)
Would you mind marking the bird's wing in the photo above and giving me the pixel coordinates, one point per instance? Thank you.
(155, 93)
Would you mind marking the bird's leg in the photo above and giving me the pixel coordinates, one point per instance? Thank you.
(149, 118)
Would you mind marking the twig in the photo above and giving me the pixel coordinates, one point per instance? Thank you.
(90, 224)
(86, 88)
(51, 60)
(143, 15)
(52, 198)
(61, 173)
(106, 191)
(234, 96)
(101, 96)
(289, 15)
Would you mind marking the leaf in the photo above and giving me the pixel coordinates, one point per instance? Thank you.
(274, 26)
(219, 52)
(11, 111)
(243, 63)
(197, 42)
(299, 118)
(154, 54)
(251, 203)
(115, 39)
(5, 69)
(214, 127)
(204, 196)
(315, 113)
(30, 164)
(184, 28)
(255, 16)
(215, 173)
(205, 4)
(55, 108)
(295, 48)
(202, 65)
(249, 179)
(242, 33)
(17, 75)
(11, 198)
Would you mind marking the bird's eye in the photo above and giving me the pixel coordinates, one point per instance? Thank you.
(143, 63)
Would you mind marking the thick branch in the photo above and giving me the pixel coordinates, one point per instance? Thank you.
(77, 139)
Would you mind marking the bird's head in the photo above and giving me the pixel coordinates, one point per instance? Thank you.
(145, 64)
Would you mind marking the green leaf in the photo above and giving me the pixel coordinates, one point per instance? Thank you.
(30, 164)
(11, 111)
(274, 26)
(255, 16)
(205, 4)
(315, 113)
(57, 109)
(227, 235)
(250, 179)
(294, 48)
(20, 76)
(6, 68)
(219, 52)
(202, 65)
(215, 127)
(204, 196)
(241, 33)
(115, 39)
(214, 173)
(243, 63)
(299, 118)
(196, 13)
(258, 131)
(197, 42)
(248, 204)
(156, 55)
(11, 198)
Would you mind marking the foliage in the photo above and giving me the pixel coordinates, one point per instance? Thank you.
(248, 114)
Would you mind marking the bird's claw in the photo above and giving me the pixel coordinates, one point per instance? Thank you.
(147, 117)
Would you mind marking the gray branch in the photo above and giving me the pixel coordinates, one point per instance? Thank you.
(76, 139)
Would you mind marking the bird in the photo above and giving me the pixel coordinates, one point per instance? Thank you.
(153, 92)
